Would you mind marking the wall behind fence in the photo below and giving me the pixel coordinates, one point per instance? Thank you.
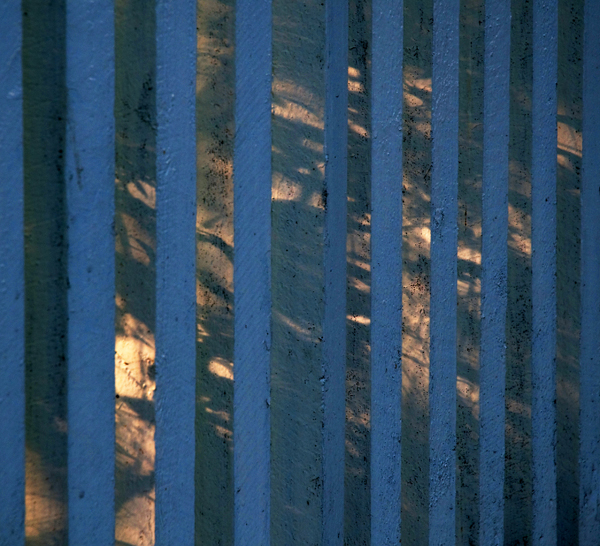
(356, 280)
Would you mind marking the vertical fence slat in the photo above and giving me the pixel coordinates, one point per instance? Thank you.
(494, 273)
(589, 479)
(543, 239)
(386, 267)
(252, 273)
(444, 240)
(334, 263)
(12, 297)
(90, 178)
(175, 270)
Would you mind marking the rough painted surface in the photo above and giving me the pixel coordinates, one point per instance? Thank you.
(175, 270)
(214, 272)
(386, 266)
(89, 173)
(334, 264)
(494, 274)
(252, 274)
(444, 190)
(300, 484)
(12, 288)
(543, 290)
(589, 485)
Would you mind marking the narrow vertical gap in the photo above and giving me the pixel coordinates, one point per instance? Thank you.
(297, 258)
(517, 486)
(470, 167)
(135, 269)
(416, 236)
(589, 457)
(568, 256)
(215, 105)
(357, 479)
(44, 125)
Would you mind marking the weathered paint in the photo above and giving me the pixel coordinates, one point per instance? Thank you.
(334, 265)
(589, 457)
(89, 172)
(252, 274)
(12, 282)
(543, 238)
(386, 268)
(175, 270)
(444, 189)
(494, 275)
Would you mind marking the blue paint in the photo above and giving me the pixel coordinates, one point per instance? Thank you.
(386, 267)
(175, 270)
(90, 179)
(334, 266)
(494, 271)
(252, 274)
(543, 238)
(589, 456)
(12, 289)
(444, 240)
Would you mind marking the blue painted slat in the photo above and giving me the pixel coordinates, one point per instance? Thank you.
(543, 238)
(589, 456)
(494, 270)
(90, 179)
(334, 264)
(12, 300)
(444, 240)
(175, 270)
(252, 273)
(386, 270)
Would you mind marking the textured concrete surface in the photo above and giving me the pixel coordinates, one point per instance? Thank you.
(298, 215)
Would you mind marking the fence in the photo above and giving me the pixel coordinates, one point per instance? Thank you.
(404, 195)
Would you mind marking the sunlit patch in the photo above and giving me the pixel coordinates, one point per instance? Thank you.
(355, 87)
(296, 112)
(144, 192)
(221, 368)
(139, 241)
(412, 100)
(359, 319)
(285, 189)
